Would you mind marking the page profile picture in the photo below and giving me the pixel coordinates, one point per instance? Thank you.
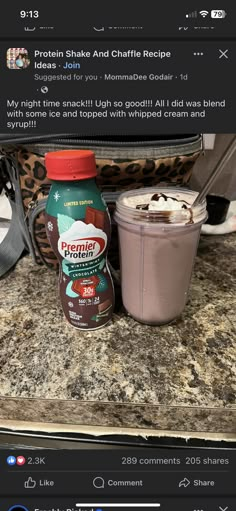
(17, 58)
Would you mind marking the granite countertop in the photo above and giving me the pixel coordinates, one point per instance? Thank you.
(177, 377)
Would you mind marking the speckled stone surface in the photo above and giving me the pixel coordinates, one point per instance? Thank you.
(179, 376)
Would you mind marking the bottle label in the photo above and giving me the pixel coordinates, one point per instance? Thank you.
(85, 283)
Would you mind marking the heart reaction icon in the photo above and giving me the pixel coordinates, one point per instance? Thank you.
(20, 460)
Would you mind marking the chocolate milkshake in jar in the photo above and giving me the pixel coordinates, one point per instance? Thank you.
(79, 230)
(158, 237)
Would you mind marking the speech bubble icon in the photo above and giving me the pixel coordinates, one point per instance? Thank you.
(98, 482)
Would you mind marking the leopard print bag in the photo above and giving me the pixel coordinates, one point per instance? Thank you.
(121, 166)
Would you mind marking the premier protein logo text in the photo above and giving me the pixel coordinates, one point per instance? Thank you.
(87, 249)
(82, 241)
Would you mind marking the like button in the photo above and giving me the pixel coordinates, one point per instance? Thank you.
(30, 483)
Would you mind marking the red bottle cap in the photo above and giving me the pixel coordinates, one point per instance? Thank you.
(71, 165)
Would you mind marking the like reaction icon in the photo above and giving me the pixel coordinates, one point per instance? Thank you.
(11, 460)
(20, 460)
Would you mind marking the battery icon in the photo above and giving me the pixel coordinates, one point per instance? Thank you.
(218, 13)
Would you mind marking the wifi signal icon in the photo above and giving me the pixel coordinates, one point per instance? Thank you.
(204, 13)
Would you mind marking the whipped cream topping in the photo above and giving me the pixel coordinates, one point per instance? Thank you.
(162, 202)
(168, 204)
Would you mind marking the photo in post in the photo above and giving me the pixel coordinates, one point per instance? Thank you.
(117, 257)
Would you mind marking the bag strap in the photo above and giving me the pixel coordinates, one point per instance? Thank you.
(13, 245)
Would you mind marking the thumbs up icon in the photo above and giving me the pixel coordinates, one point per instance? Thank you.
(30, 483)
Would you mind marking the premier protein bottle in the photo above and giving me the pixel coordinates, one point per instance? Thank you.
(79, 230)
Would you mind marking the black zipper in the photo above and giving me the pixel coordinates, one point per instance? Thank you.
(105, 140)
